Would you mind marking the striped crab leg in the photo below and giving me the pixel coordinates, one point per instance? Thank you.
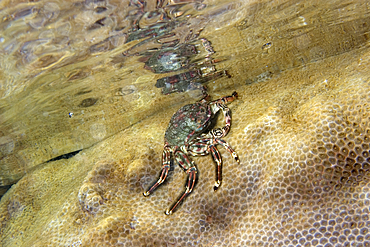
(191, 170)
(228, 148)
(166, 160)
(204, 146)
(222, 104)
(218, 159)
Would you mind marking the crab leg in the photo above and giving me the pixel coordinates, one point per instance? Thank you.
(218, 159)
(207, 145)
(228, 148)
(199, 148)
(191, 170)
(203, 146)
(166, 160)
(227, 99)
(221, 104)
(227, 117)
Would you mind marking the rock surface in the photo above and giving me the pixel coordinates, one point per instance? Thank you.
(301, 127)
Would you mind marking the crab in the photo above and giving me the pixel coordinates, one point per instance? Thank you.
(190, 133)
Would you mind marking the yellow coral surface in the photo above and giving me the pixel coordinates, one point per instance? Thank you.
(303, 178)
(301, 127)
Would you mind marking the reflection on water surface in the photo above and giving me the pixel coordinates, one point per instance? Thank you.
(105, 77)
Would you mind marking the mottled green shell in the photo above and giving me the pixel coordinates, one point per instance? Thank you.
(189, 122)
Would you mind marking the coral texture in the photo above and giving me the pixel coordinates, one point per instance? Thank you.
(301, 128)
(303, 178)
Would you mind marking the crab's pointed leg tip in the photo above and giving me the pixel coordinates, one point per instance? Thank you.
(146, 194)
(168, 212)
(236, 157)
(217, 185)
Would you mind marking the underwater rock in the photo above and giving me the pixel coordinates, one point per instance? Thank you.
(303, 141)
(301, 130)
